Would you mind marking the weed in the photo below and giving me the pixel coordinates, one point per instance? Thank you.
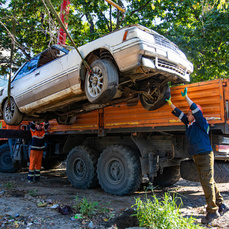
(33, 192)
(9, 185)
(162, 213)
(89, 209)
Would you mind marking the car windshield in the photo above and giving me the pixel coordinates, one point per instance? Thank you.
(28, 68)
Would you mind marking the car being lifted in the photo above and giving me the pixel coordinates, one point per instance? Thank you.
(124, 64)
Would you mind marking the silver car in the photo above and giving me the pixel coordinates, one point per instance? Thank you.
(133, 62)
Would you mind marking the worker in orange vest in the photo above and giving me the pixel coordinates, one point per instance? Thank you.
(37, 147)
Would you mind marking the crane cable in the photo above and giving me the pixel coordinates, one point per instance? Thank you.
(48, 2)
(116, 6)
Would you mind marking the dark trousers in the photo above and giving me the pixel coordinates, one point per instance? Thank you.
(205, 167)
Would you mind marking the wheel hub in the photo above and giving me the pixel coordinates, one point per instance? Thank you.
(79, 169)
(115, 171)
(95, 82)
(9, 111)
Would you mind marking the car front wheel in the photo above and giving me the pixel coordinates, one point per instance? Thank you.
(11, 113)
(102, 83)
(158, 96)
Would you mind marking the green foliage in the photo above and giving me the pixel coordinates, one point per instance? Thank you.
(33, 192)
(199, 28)
(162, 213)
(87, 208)
(9, 185)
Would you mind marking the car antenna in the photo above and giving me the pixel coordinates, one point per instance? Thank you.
(48, 2)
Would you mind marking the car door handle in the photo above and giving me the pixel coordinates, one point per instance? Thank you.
(37, 73)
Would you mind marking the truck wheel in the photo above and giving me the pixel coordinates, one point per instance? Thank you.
(189, 172)
(102, 84)
(11, 115)
(6, 162)
(81, 167)
(119, 170)
(169, 176)
(159, 97)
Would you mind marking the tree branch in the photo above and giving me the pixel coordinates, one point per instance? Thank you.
(140, 8)
(13, 39)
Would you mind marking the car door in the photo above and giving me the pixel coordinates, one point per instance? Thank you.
(50, 78)
(22, 84)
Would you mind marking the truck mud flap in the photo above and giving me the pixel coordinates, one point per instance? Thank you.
(189, 172)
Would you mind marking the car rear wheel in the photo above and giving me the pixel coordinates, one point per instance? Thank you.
(158, 97)
(102, 84)
(11, 113)
(66, 120)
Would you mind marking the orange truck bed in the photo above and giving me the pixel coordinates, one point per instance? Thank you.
(211, 95)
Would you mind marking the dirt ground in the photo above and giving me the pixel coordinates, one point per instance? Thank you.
(24, 205)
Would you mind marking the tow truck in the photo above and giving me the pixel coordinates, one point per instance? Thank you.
(118, 146)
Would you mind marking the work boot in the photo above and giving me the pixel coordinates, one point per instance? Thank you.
(223, 208)
(210, 217)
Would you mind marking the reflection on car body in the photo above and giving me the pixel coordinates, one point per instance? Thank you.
(131, 61)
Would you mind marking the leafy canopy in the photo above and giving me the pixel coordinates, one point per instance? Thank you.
(199, 27)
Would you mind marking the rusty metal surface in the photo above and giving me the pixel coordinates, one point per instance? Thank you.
(207, 94)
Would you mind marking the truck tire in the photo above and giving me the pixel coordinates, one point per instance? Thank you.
(159, 98)
(119, 170)
(189, 172)
(81, 167)
(169, 176)
(6, 162)
(102, 84)
(12, 115)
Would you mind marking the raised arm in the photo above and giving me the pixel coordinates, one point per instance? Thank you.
(177, 112)
(185, 95)
(170, 103)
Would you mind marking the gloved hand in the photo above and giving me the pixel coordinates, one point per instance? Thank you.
(169, 100)
(184, 94)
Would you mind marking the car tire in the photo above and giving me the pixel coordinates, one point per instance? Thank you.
(102, 84)
(168, 177)
(66, 120)
(81, 167)
(12, 115)
(159, 98)
(119, 170)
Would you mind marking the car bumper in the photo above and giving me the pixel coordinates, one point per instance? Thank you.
(130, 55)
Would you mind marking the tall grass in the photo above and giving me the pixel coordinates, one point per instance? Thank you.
(162, 213)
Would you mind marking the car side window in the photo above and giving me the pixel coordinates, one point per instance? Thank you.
(27, 68)
(50, 55)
